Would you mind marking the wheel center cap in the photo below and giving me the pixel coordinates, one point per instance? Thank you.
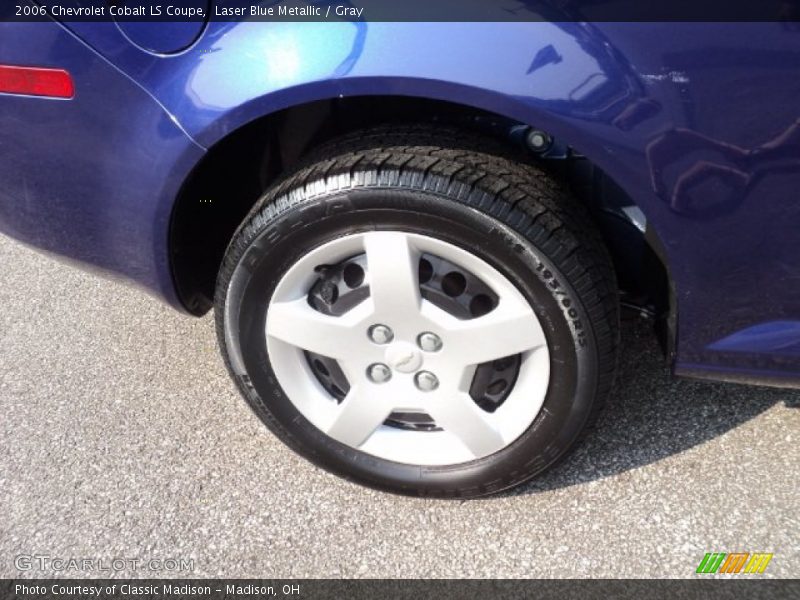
(403, 357)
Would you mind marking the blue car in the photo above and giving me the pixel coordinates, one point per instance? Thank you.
(417, 237)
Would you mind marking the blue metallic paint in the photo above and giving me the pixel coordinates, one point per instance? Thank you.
(169, 38)
(93, 178)
(696, 122)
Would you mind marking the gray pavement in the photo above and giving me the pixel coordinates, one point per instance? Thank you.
(122, 437)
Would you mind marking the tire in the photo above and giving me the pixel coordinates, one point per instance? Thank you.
(386, 202)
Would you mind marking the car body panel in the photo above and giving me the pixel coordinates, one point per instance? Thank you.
(697, 122)
(92, 179)
(170, 37)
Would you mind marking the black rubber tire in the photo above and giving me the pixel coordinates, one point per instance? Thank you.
(462, 189)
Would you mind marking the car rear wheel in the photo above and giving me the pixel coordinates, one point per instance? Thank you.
(417, 313)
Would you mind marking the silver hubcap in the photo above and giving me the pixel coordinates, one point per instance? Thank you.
(417, 359)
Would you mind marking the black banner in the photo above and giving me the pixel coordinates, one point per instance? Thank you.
(219, 589)
(401, 10)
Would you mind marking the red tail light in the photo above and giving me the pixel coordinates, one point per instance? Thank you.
(36, 81)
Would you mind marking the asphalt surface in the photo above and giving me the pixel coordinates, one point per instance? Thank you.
(122, 437)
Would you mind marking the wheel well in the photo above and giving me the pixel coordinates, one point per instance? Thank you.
(225, 185)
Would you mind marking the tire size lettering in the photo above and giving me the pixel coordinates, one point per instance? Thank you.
(566, 303)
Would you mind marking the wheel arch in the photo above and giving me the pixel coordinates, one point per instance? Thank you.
(249, 156)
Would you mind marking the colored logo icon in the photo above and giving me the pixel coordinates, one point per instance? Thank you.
(737, 562)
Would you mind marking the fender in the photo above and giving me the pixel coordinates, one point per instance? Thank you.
(566, 78)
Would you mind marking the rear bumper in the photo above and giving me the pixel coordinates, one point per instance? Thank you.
(92, 178)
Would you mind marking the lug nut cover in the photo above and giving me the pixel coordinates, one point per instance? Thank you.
(426, 381)
(380, 334)
(429, 342)
(379, 373)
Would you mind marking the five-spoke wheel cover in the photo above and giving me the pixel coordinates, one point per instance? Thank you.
(321, 337)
